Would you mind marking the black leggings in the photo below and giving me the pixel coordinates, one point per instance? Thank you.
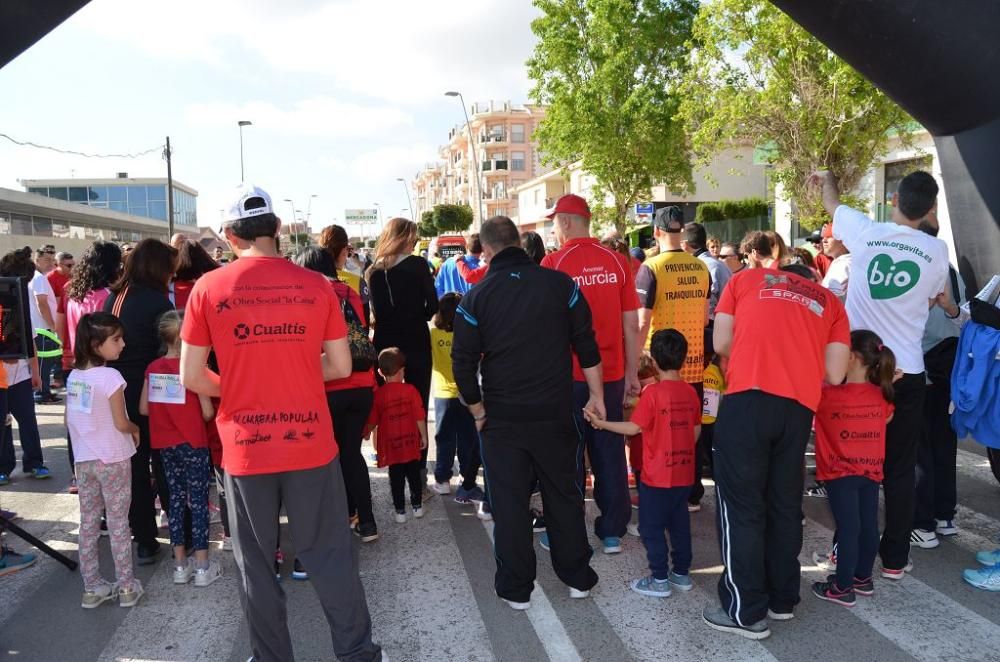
(349, 409)
(407, 472)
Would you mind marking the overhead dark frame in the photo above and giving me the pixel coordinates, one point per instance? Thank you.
(23, 22)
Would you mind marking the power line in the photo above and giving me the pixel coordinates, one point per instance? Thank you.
(27, 143)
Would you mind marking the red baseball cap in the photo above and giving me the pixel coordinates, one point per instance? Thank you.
(570, 204)
(827, 231)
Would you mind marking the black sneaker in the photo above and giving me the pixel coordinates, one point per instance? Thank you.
(828, 591)
(367, 531)
(717, 619)
(298, 571)
(537, 521)
(148, 554)
(865, 587)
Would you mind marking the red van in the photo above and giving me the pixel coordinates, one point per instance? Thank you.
(447, 245)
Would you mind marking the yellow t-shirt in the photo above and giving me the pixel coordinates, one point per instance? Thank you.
(715, 387)
(353, 280)
(443, 383)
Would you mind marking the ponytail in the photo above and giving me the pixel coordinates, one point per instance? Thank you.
(879, 361)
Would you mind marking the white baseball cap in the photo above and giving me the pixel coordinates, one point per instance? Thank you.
(251, 201)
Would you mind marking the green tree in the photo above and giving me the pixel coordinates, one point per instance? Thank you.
(426, 227)
(608, 71)
(758, 78)
(451, 218)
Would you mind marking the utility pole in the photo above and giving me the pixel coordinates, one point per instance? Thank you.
(170, 191)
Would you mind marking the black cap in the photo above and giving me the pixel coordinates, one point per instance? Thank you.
(669, 219)
(816, 237)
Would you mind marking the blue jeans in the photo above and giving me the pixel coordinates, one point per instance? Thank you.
(854, 502)
(21, 405)
(607, 461)
(47, 365)
(664, 509)
(455, 431)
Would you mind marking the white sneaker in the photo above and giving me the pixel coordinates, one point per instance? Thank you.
(827, 562)
(227, 544)
(946, 527)
(633, 529)
(485, 515)
(183, 574)
(577, 594)
(206, 576)
(418, 512)
(924, 539)
(400, 518)
(440, 488)
(517, 606)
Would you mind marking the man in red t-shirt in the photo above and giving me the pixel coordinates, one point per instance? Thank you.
(278, 334)
(606, 280)
(761, 434)
(58, 278)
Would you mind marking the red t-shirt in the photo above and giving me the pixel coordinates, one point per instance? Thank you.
(58, 282)
(171, 422)
(182, 292)
(782, 326)
(850, 432)
(823, 262)
(395, 412)
(267, 320)
(365, 379)
(668, 412)
(606, 280)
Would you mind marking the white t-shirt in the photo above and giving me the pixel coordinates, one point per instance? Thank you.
(40, 285)
(837, 275)
(897, 269)
(89, 418)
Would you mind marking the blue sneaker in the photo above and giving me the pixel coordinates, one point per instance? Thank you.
(988, 558)
(612, 545)
(4, 479)
(41, 472)
(543, 540)
(11, 561)
(987, 579)
(680, 582)
(465, 496)
(651, 587)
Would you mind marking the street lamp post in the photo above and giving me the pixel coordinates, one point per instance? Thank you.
(478, 163)
(409, 202)
(309, 212)
(242, 123)
(291, 228)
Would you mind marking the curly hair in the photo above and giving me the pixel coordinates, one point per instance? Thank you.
(97, 268)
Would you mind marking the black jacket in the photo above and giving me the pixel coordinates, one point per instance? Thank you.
(519, 326)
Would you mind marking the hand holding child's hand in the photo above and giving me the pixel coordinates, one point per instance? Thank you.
(592, 418)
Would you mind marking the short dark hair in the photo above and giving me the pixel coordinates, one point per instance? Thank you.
(18, 263)
(533, 245)
(391, 360)
(444, 318)
(474, 245)
(254, 227)
(756, 241)
(317, 259)
(800, 270)
(917, 193)
(668, 348)
(150, 264)
(499, 232)
(695, 235)
(91, 332)
(733, 245)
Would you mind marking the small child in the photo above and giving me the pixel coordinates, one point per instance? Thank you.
(850, 452)
(177, 419)
(399, 419)
(669, 417)
(454, 428)
(104, 441)
(714, 389)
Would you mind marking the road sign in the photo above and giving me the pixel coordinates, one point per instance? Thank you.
(644, 208)
(361, 216)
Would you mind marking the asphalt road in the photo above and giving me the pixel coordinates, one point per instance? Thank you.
(429, 588)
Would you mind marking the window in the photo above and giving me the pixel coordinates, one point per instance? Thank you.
(117, 193)
(517, 133)
(158, 210)
(158, 193)
(38, 190)
(42, 226)
(138, 211)
(60, 230)
(78, 194)
(20, 224)
(136, 196)
(58, 192)
(98, 194)
(118, 205)
(517, 160)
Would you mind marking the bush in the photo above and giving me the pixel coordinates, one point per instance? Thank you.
(426, 227)
(724, 210)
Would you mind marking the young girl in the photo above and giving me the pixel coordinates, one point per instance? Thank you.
(455, 429)
(399, 418)
(177, 419)
(850, 451)
(104, 440)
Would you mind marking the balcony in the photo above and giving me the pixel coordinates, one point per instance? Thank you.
(493, 138)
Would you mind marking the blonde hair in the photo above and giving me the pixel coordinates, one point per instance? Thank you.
(169, 328)
(396, 239)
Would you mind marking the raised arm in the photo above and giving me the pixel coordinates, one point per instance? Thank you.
(470, 275)
(830, 191)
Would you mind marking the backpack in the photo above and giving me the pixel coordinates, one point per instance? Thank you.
(363, 354)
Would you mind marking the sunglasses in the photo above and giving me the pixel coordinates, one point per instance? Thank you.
(724, 256)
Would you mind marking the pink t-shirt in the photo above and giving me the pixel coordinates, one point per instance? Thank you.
(93, 302)
(89, 418)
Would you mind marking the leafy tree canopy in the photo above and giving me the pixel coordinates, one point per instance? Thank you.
(451, 218)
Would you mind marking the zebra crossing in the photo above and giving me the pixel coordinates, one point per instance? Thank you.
(429, 588)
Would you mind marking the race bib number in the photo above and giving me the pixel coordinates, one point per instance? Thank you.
(80, 397)
(710, 403)
(166, 389)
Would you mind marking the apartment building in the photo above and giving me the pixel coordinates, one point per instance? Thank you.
(500, 155)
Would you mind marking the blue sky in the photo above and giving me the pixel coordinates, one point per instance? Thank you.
(345, 96)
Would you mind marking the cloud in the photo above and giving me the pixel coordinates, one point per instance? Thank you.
(392, 161)
(319, 117)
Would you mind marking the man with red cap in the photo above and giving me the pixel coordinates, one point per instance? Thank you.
(839, 270)
(606, 281)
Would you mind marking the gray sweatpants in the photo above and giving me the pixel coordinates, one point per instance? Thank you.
(315, 502)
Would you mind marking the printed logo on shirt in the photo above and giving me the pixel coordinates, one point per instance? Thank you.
(888, 279)
(596, 276)
(246, 334)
